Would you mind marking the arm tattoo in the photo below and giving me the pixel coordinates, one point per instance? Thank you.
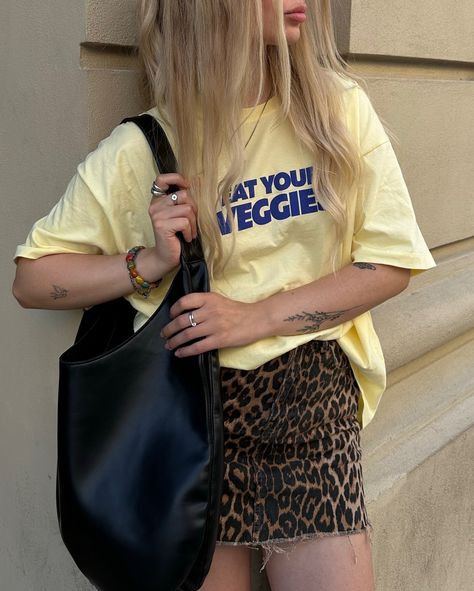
(368, 266)
(316, 319)
(59, 292)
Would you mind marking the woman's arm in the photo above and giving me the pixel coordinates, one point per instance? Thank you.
(334, 299)
(322, 304)
(68, 281)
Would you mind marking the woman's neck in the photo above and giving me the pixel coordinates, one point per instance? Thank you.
(253, 97)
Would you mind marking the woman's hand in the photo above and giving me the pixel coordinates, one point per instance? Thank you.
(220, 322)
(168, 217)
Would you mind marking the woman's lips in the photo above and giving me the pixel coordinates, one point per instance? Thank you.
(298, 15)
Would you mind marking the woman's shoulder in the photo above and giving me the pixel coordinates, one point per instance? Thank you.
(361, 117)
(126, 140)
(122, 156)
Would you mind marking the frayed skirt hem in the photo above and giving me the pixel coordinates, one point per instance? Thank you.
(286, 545)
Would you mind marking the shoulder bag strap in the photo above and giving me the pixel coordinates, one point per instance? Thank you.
(166, 162)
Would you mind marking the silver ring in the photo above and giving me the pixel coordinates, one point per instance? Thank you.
(174, 198)
(156, 190)
(192, 322)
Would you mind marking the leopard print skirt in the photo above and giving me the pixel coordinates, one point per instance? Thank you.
(292, 456)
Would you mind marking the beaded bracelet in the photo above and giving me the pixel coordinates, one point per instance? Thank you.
(139, 284)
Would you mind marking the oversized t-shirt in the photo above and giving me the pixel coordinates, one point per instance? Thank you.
(283, 236)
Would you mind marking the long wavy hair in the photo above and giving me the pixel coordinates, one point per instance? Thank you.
(202, 58)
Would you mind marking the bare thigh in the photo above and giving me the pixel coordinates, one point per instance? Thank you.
(230, 570)
(329, 563)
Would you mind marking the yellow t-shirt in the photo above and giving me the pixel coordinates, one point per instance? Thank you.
(284, 238)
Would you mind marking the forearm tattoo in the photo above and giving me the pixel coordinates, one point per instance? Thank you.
(368, 266)
(315, 319)
(59, 292)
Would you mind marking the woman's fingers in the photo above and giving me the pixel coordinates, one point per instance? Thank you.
(190, 303)
(171, 214)
(186, 335)
(169, 228)
(219, 322)
(164, 181)
(163, 208)
(208, 343)
(164, 201)
(188, 339)
(176, 212)
(191, 319)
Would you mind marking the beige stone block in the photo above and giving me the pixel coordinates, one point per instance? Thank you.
(111, 21)
(432, 120)
(417, 458)
(434, 394)
(437, 307)
(113, 95)
(421, 29)
(366, 66)
(423, 527)
(341, 10)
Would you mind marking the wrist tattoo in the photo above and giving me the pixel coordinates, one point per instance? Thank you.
(368, 266)
(59, 292)
(316, 319)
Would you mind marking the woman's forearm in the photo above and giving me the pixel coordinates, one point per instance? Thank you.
(69, 281)
(331, 300)
(221, 322)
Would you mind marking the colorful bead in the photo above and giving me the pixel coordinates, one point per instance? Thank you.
(140, 285)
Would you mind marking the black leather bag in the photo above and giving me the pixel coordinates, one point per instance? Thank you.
(140, 440)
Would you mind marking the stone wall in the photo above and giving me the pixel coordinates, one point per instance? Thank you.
(417, 58)
(68, 76)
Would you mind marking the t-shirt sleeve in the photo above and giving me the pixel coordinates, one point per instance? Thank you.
(386, 230)
(101, 200)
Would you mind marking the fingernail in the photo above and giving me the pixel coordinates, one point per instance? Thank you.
(167, 346)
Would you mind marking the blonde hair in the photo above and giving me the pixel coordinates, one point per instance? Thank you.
(202, 58)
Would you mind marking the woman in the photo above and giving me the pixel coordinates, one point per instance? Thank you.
(307, 225)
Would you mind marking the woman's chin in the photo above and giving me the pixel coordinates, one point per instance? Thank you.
(292, 34)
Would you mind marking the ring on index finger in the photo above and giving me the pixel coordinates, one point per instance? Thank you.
(156, 190)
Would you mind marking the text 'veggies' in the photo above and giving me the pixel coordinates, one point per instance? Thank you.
(291, 195)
